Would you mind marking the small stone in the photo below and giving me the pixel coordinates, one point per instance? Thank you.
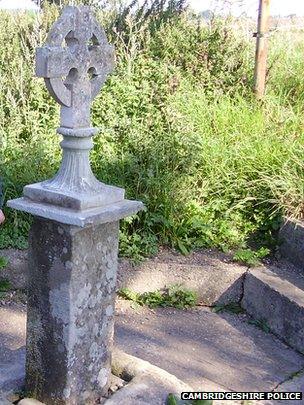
(116, 383)
(30, 401)
(109, 310)
(12, 398)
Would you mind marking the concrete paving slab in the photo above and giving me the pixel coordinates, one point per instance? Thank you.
(199, 346)
(206, 350)
(216, 352)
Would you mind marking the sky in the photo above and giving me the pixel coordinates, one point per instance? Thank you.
(282, 7)
(15, 4)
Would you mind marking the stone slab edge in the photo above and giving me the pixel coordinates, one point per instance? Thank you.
(100, 215)
(267, 297)
(213, 284)
(29, 401)
(144, 379)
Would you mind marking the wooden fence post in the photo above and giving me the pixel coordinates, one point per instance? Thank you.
(261, 49)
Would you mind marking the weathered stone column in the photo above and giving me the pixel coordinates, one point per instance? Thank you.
(73, 243)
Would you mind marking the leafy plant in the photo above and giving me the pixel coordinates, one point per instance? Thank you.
(260, 323)
(233, 307)
(5, 285)
(296, 374)
(174, 296)
(130, 295)
(3, 262)
(250, 257)
(173, 400)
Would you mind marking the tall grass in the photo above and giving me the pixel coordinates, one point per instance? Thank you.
(180, 128)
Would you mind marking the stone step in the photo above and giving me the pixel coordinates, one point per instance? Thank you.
(275, 296)
(212, 275)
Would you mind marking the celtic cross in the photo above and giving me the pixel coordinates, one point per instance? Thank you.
(74, 63)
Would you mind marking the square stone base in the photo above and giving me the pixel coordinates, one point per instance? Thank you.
(100, 215)
(71, 292)
(39, 192)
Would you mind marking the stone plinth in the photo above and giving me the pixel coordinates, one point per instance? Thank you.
(70, 311)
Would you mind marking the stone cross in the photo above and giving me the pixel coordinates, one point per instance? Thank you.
(75, 62)
(73, 242)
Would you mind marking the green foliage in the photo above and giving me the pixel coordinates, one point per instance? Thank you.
(260, 323)
(174, 296)
(250, 257)
(232, 307)
(173, 400)
(296, 374)
(179, 128)
(136, 243)
(3, 262)
(5, 285)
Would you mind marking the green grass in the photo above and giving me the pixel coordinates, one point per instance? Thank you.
(180, 130)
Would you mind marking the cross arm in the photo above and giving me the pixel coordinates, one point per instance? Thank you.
(53, 62)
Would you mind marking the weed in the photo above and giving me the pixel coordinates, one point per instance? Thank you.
(232, 307)
(5, 285)
(260, 323)
(250, 257)
(174, 296)
(3, 262)
(173, 400)
(296, 374)
(129, 295)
